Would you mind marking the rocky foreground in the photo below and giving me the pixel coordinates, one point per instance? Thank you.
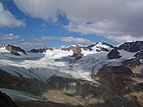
(114, 85)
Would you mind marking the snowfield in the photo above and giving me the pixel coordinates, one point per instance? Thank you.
(58, 62)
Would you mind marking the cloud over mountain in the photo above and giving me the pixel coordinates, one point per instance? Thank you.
(7, 37)
(38, 42)
(75, 40)
(110, 18)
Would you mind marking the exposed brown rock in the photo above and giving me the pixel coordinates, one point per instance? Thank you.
(77, 52)
(117, 78)
(138, 69)
(122, 81)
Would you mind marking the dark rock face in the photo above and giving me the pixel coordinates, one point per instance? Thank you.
(8, 80)
(139, 55)
(132, 62)
(42, 104)
(132, 46)
(5, 101)
(15, 50)
(61, 92)
(41, 50)
(37, 50)
(124, 83)
(122, 70)
(115, 78)
(113, 54)
(108, 44)
(88, 47)
(104, 49)
(51, 49)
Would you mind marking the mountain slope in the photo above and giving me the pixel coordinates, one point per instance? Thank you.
(59, 76)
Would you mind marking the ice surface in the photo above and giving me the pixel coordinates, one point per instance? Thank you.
(58, 62)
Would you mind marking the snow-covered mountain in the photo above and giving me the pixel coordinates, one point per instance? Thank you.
(132, 46)
(99, 46)
(61, 62)
(40, 67)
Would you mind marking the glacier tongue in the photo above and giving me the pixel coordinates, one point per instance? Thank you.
(42, 66)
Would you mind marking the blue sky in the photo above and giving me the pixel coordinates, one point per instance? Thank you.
(36, 27)
(29, 22)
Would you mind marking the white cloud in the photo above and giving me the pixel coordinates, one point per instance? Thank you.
(68, 39)
(8, 20)
(124, 38)
(5, 37)
(39, 42)
(75, 40)
(26, 44)
(107, 17)
(10, 38)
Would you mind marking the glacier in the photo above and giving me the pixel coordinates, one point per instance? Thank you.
(58, 62)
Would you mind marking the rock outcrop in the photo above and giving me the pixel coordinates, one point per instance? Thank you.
(8, 80)
(113, 54)
(15, 50)
(77, 52)
(117, 78)
(132, 46)
(37, 50)
(41, 50)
